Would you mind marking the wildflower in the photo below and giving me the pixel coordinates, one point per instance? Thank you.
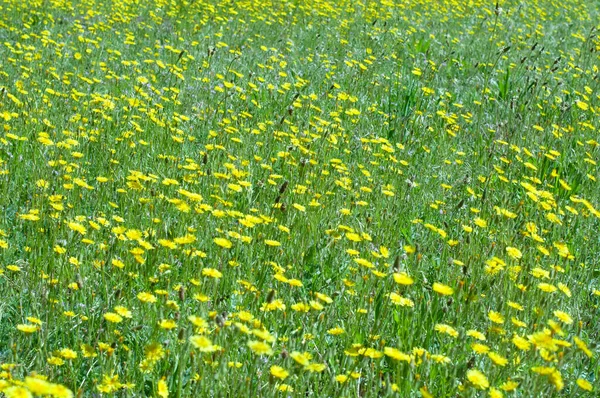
(270, 242)
(202, 343)
(67, 353)
(315, 367)
(279, 372)
(301, 358)
(401, 301)
(17, 392)
(478, 379)
(146, 297)
(498, 359)
(211, 272)
(335, 331)
(222, 242)
(28, 328)
(563, 316)
(442, 289)
(514, 253)
(167, 324)
(403, 279)
(260, 347)
(163, 390)
(396, 354)
(112, 317)
(495, 317)
(341, 378)
(584, 384)
(449, 330)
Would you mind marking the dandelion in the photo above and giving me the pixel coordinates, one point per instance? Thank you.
(202, 343)
(260, 347)
(222, 242)
(301, 358)
(28, 328)
(514, 253)
(341, 378)
(563, 317)
(495, 317)
(396, 354)
(403, 279)
(478, 379)
(112, 317)
(442, 289)
(279, 372)
(212, 273)
(17, 392)
(163, 390)
(146, 297)
(584, 385)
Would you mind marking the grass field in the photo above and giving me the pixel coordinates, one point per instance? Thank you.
(322, 198)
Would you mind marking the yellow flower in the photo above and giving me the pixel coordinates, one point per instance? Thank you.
(476, 334)
(301, 358)
(582, 105)
(509, 386)
(112, 317)
(17, 392)
(167, 324)
(124, 312)
(521, 343)
(583, 347)
(480, 222)
(514, 253)
(547, 287)
(55, 361)
(38, 386)
(449, 330)
(260, 347)
(211, 272)
(146, 297)
(563, 316)
(299, 207)
(584, 384)
(396, 354)
(403, 279)
(341, 378)
(496, 317)
(478, 379)
(480, 348)
(203, 344)
(279, 372)
(286, 388)
(401, 301)
(371, 353)
(442, 289)
(163, 389)
(222, 242)
(498, 359)
(67, 353)
(272, 243)
(315, 367)
(27, 328)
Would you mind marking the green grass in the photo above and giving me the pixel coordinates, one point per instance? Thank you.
(416, 137)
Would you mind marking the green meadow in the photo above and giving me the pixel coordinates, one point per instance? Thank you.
(299, 198)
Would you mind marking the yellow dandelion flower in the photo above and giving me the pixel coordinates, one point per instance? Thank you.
(223, 242)
(442, 289)
(478, 379)
(260, 347)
